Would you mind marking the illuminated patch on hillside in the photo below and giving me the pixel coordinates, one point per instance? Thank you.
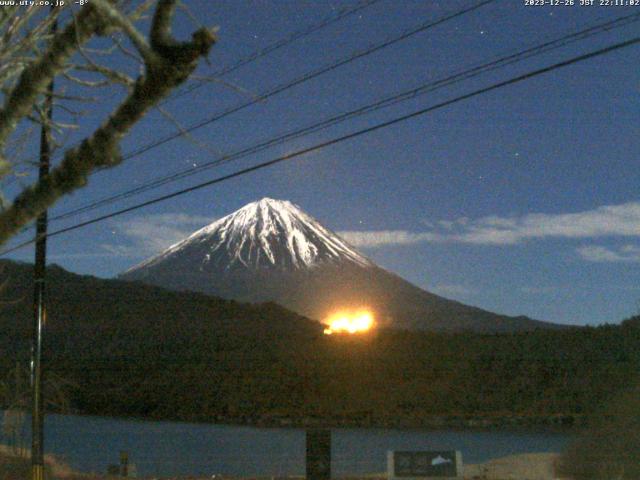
(349, 322)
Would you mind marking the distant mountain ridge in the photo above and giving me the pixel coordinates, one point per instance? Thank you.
(271, 250)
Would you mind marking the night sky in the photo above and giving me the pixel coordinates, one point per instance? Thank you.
(522, 201)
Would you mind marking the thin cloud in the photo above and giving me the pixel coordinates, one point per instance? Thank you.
(380, 238)
(606, 221)
(599, 253)
(70, 256)
(120, 250)
(153, 233)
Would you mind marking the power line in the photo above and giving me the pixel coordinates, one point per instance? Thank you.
(278, 44)
(343, 13)
(386, 102)
(304, 78)
(309, 76)
(275, 161)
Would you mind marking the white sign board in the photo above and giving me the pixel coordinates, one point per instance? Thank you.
(403, 465)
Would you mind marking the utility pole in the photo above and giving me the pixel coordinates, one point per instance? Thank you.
(39, 305)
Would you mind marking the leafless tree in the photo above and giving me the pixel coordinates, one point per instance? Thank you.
(15, 398)
(32, 55)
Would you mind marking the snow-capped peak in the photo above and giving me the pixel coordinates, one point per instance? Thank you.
(267, 234)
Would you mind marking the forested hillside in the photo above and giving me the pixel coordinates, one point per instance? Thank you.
(136, 350)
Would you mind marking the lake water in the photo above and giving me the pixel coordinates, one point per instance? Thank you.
(169, 448)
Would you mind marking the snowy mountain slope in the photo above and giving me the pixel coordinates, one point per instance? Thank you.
(268, 234)
(271, 250)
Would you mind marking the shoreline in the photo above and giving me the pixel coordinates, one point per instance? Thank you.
(527, 466)
(561, 423)
(435, 422)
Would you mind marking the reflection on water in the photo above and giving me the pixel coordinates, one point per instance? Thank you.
(168, 448)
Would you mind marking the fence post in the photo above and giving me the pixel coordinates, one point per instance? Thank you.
(124, 464)
(318, 454)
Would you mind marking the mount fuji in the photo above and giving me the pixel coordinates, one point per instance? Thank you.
(270, 250)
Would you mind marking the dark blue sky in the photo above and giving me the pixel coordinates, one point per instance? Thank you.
(521, 201)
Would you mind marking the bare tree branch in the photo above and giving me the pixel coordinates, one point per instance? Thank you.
(167, 64)
(117, 18)
(186, 134)
(35, 78)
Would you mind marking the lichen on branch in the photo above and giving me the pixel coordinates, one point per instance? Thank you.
(167, 64)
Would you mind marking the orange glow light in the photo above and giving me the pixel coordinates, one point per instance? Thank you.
(349, 322)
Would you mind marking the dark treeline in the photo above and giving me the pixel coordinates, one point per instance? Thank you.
(134, 350)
